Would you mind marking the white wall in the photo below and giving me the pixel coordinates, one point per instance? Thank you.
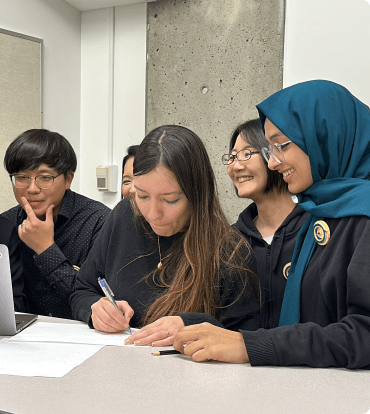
(106, 129)
(329, 39)
(58, 24)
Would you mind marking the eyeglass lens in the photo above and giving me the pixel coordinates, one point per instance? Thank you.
(266, 154)
(243, 155)
(42, 181)
(275, 152)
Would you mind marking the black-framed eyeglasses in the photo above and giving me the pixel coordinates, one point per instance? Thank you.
(278, 155)
(43, 182)
(242, 155)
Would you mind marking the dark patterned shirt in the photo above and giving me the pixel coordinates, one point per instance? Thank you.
(49, 278)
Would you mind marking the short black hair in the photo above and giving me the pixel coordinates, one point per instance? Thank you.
(131, 152)
(252, 132)
(35, 147)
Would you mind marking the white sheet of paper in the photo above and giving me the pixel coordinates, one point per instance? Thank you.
(69, 333)
(35, 359)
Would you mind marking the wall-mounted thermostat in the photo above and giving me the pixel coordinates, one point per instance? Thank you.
(106, 178)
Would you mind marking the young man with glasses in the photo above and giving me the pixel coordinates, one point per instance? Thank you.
(56, 226)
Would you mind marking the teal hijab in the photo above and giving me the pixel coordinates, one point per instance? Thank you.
(333, 128)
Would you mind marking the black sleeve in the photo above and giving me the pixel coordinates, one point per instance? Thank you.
(344, 343)
(20, 300)
(87, 290)
(57, 269)
(240, 307)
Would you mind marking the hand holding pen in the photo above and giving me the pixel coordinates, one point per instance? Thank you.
(107, 318)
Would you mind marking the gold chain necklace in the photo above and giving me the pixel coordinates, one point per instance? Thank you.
(160, 256)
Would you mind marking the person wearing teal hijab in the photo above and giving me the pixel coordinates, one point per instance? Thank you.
(332, 127)
(319, 140)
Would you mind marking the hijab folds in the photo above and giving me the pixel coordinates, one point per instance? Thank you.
(333, 128)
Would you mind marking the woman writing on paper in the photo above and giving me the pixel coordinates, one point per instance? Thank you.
(319, 140)
(270, 224)
(169, 249)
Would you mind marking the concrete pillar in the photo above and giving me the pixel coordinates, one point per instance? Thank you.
(209, 62)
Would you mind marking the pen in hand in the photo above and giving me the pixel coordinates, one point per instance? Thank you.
(110, 296)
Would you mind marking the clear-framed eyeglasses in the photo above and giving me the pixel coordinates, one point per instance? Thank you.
(43, 182)
(275, 151)
(243, 155)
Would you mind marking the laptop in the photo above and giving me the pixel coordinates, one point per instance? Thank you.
(10, 322)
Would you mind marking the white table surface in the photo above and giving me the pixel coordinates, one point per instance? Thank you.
(126, 380)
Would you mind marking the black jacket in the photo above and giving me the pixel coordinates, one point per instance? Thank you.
(49, 277)
(271, 259)
(9, 237)
(335, 306)
(124, 253)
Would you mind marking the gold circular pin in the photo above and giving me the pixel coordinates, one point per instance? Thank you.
(286, 270)
(76, 268)
(321, 232)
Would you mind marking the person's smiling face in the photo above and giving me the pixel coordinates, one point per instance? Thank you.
(296, 168)
(161, 201)
(127, 177)
(41, 199)
(249, 177)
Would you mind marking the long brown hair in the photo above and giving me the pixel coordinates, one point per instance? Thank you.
(191, 276)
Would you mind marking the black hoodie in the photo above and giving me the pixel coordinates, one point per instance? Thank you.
(272, 259)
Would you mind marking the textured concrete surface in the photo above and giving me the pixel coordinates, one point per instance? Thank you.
(209, 62)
